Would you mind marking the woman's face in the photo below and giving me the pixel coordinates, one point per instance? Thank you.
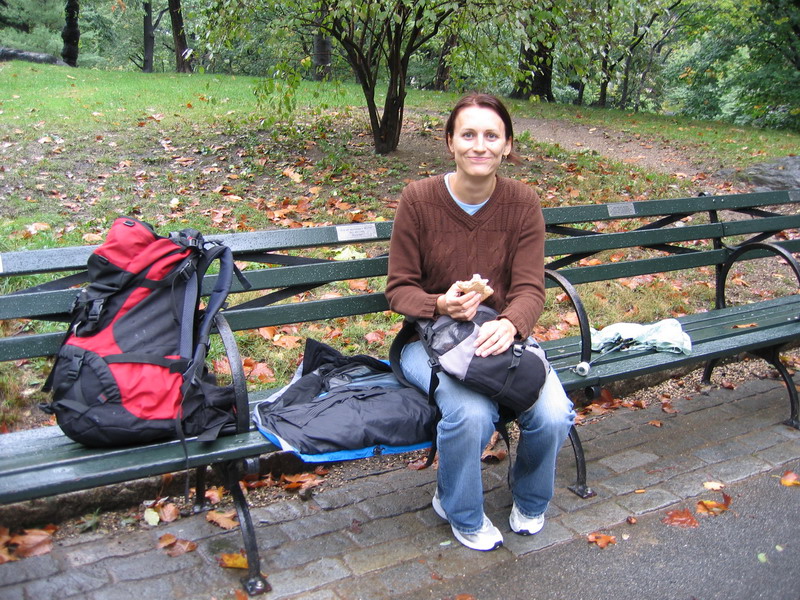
(479, 141)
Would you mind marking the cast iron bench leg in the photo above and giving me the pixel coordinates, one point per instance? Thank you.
(580, 488)
(254, 583)
(772, 356)
(200, 503)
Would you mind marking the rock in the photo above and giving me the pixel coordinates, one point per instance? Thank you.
(782, 174)
(37, 57)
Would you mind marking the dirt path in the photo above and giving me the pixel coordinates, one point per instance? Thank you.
(649, 154)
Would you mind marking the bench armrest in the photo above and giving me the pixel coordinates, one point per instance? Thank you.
(751, 247)
(580, 310)
(237, 373)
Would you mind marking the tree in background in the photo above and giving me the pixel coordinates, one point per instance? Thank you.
(377, 38)
(183, 54)
(71, 34)
(740, 63)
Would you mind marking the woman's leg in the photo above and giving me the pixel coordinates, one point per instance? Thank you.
(465, 428)
(543, 429)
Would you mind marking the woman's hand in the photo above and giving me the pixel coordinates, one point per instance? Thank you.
(458, 305)
(495, 337)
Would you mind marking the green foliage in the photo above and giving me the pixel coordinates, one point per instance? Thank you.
(743, 67)
(33, 25)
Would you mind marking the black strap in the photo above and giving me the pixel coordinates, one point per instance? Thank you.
(516, 356)
(175, 365)
(405, 335)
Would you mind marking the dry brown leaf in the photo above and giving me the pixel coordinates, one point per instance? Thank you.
(680, 518)
(224, 520)
(166, 540)
(6, 556)
(233, 561)
(602, 540)
(169, 512)
(287, 341)
(214, 494)
(31, 542)
(419, 464)
(712, 507)
(181, 547)
(790, 478)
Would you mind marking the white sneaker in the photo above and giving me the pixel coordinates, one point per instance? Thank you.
(524, 525)
(487, 538)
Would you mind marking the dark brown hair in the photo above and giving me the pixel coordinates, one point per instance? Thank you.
(491, 102)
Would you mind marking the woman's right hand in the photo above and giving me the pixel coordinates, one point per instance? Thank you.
(458, 305)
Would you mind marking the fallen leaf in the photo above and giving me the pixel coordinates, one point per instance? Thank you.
(419, 464)
(151, 517)
(181, 547)
(166, 540)
(288, 341)
(375, 337)
(293, 175)
(31, 542)
(168, 512)
(355, 526)
(680, 518)
(790, 478)
(602, 540)
(712, 507)
(214, 494)
(714, 486)
(655, 423)
(745, 326)
(233, 561)
(224, 520)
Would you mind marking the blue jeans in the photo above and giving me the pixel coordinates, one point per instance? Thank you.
(466, 426)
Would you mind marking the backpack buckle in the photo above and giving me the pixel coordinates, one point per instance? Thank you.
(187, 238)
(75, 367)
(518, 349)
(96, 310)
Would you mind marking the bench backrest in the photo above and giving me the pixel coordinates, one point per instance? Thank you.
(583, 244)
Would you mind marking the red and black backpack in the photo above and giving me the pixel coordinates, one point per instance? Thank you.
(132, 368)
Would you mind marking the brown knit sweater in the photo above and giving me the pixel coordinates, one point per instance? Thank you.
(435, 243)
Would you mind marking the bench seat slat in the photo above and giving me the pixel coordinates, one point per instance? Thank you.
(80, 468)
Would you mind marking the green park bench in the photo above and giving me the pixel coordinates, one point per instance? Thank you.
(672, 235)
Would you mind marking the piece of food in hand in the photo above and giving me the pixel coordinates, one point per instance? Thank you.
(476, 284)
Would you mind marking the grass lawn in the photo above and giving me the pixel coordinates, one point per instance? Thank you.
(80, 147)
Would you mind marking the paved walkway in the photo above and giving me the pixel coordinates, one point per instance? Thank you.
(378, 538)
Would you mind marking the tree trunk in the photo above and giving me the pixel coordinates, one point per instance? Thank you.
(387, 136)
(71, 34)
(149, 38)
(626, 78)
(604, 82)
(321, 57)
(441, 80)
(183, 63)
(536, 63)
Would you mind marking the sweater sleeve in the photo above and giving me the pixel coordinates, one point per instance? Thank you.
(404, 282)
(526, 295)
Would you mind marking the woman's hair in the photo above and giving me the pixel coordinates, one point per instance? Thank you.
(485, 101)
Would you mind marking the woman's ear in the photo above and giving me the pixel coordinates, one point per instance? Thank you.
(449, 140)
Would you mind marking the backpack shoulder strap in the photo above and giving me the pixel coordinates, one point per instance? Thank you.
(407, 331)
